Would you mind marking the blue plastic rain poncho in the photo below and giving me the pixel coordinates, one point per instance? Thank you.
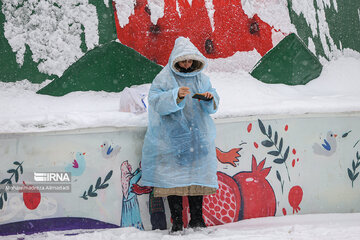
(179, 148)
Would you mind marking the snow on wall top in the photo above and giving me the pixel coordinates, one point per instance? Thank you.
(51, 29)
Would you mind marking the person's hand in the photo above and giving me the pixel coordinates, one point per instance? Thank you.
(183, 91)
(208, 95)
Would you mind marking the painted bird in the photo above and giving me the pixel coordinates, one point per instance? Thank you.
(229, 157)
(108, 151)
(77, 167)
(328, 147)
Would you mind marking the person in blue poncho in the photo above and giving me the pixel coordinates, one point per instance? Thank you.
(178, 156)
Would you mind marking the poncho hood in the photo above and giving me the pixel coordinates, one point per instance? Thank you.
(185, 49)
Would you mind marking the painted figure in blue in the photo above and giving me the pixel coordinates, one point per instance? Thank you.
(178, 157)
(130, 214)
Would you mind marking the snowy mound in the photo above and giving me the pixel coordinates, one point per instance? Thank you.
(336, 90)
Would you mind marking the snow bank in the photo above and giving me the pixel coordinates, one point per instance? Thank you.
(319, 226)
(336, 90)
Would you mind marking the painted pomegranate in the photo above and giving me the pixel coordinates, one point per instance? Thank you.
(295, 198)
(229, 30)
(223, 206)
(31, 197)
(256, 192)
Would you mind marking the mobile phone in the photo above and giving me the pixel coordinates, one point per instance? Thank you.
(201, 97)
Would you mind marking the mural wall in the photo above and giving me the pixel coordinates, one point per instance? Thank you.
(40, 40)
(269, 166)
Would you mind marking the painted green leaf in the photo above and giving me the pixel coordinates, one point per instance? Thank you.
(261, 126)
(357, 164)
(267, 143)
(84, 196)
(279, 160)
(346, 134)
(92, 194)
(4, 181)
(274, 153)
(98, 183)
(105, 185)
(90, 190)
(351, 176)
(357, 156)
(269, 131)
(16, 163)
(286, 154)
(1, 203)
(278, 175)
(275, 138)
(108, 176)
(11, 170)
(16, 176)
(353, 165)
(21, 169)
(356, 175)
(280, 144)
(5, 196)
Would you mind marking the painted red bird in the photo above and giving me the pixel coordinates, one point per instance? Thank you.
(229, 157)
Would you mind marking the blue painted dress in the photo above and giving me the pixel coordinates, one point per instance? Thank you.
(130, 214)
(179, 148)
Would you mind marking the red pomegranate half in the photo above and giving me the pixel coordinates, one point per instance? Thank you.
(256, 192)
(223, 206)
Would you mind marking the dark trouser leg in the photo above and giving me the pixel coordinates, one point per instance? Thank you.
(196, 218)
(157, 212)
(175, 205)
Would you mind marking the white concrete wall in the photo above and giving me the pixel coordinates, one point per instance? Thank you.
(311, 180)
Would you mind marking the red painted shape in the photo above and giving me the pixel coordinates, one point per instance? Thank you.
(256, 145)
(31, 196)
(257, 194)
(293, 163)
(286, 128)
(295, 198)
(229, 157)
(297, 159)
(223, 206)
(284, 211)
(75, 164)
(294, 151)
(234, 30)
(249, 127)
(139, 190)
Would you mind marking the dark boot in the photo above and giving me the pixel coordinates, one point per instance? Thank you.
(196, 218)
(175, 205)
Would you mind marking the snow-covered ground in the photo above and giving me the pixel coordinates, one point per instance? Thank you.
(295, 227)
(336, 90)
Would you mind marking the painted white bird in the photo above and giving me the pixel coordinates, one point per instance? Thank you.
(108, 151)
(328, 147)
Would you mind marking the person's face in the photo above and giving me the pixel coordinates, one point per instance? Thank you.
(186, 63)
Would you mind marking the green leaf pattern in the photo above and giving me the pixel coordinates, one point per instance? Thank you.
(7, 181)
(91, 192)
